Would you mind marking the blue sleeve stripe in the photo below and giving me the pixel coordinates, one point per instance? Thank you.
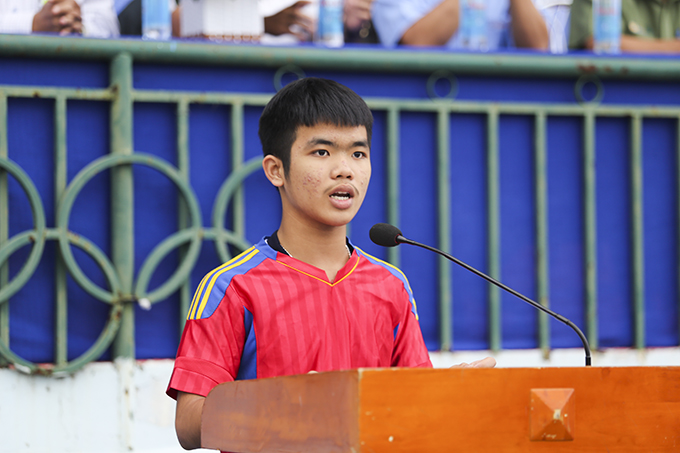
(397, 273)
(208, 282)
(248, 367)
(211, 300)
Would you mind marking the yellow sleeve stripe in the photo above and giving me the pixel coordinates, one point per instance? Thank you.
(206, 296)
(207, 278)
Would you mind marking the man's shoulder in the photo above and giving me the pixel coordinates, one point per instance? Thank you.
(240, 264)
(379, 265)
(215, 283)
(395, 278)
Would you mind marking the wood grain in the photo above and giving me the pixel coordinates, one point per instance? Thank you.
(627, 409)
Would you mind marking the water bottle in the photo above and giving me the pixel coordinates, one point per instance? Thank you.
(156, 19)
(607, 26)
(474, 26)
(330, 29)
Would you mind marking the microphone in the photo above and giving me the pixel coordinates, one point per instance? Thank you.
(388, 235)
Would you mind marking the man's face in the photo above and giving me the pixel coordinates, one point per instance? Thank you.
(329, 172)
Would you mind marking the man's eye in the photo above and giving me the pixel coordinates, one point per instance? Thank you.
(321, 152)
(359, 154)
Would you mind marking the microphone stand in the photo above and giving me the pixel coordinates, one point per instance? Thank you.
(584, 340)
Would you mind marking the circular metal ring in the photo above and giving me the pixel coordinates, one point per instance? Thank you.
(93, 353)
(105, 338)
(232, 183)
(104, 263)
(37, 235)
(193, 235)
(287, 69)
(582, 82)
(77, 184)
(436, 77)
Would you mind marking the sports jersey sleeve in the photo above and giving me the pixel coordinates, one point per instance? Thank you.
(211, 345)
(409, 346)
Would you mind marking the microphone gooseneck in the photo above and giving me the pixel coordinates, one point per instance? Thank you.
(388, 235)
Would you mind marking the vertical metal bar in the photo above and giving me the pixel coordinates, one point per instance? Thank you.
(541, 188)
(4, 223)
(590, 226)
(677, 176)
(637, 230)
(444, 230)
(237, 156)
(122, 198)
(393, 177)
(60, 175)
(183, 213)
(493, 227)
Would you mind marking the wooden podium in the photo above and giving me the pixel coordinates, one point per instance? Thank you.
(445, 410)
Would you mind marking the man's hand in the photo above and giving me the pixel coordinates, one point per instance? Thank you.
(59, 16)
(486, 362)
(357, 12)
(291, 20)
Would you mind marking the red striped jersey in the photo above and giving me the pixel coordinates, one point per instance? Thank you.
(266, 314)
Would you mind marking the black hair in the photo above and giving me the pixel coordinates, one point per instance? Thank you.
(308, 102)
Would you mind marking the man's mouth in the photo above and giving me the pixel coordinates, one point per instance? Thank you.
(341, 195)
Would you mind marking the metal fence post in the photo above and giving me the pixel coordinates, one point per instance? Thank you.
(4, 224)
(493, 227)
(122, 198)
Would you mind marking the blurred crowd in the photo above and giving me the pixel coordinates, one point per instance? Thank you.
(548, 25)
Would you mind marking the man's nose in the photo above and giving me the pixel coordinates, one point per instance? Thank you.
(343, 169)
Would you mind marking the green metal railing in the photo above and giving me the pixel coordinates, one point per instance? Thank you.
(125, 288)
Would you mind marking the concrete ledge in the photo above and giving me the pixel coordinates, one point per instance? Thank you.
(121, 406)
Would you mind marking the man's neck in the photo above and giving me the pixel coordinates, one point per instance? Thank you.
(325, 249)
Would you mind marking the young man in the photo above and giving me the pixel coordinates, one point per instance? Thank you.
(303, 299)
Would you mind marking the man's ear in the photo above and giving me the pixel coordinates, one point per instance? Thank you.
(273, 170)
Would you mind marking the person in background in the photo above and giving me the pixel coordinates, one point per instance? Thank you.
(91, 18)
(130, 17)
(298, 18)
(284, 18)
(291, 20)
(646, 25)
(278, 20)
(512, 23)
(359, 26)
(556, 16)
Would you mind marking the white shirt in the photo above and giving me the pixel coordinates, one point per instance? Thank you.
(99, 17)
(556, 16)
(393, 17)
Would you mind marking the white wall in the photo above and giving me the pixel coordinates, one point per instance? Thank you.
(122, 406)
(105, 407)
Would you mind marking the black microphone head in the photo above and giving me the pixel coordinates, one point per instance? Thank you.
(384, 234)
